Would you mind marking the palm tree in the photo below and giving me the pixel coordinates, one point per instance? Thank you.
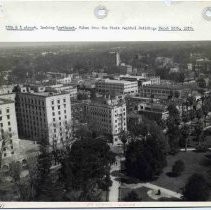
(124, 136)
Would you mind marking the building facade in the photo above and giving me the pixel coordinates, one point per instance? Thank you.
(107, 116)
(161, 91)
(118, 87)
(8, 127)
(153, 111)
(44, 116)
(142, 80)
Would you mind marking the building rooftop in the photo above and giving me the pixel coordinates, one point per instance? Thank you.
(5, 101)
(102, 101)
(46, 94)
(115, 81)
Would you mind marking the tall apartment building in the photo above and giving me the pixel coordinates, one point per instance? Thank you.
(44, 115)
(107, 116)
(8, 127)
(118, 87)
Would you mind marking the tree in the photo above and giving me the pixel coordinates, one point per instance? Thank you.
(5, 141)
(173, 112)
(205, 109)
(185, 132)
(199, 114)
(142, 128)
(201, 82)
(192, 114)
(190, 101)
(32, 167)
(196, 189)
(144, 159)
(172, 123)
(45, 188)
(131, 196)
(124, 136)
(86, 168)
(185, 117)
(178, 167)
(177, 94)
(199, 131)
(173, 134)
(83, 133)
(15, 172)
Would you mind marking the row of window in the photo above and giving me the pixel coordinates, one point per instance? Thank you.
(58, 101)
(156, 91)
(7, 111)
(59, 113)
(12, 153)
(26, 100)
(54, 119)
(58, 107)
(31, 119)
(31, 113)
(2, 124)
(31, 107)
(8, 117)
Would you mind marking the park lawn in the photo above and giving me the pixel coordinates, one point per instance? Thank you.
(194, 163)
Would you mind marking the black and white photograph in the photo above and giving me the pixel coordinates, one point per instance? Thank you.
(105, 121)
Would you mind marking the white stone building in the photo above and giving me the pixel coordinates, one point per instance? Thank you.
(66, 80)
(107, 116)
(44, 116)
(118, 87)
(8, 127)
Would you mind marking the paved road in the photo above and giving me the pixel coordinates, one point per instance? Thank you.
(114, 189)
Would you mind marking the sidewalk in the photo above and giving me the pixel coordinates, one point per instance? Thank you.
(114, 189)
(168, 192)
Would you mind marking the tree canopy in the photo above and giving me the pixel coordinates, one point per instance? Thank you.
(87, 167)
(144, 159)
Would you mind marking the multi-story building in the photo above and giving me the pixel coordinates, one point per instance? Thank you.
(162, 91)
(143, 79)
(153, 111)
(118, 87)
(44, 116)
(8, 127)
(8, 89)
(63, 88)
(107, 116)
(66, 80)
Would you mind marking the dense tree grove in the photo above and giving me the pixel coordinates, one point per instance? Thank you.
(144, 159)
(86, 168)
(145, 126)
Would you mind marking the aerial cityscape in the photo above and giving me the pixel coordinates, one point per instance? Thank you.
(105, 121)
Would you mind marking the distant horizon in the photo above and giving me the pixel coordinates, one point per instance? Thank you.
(87, 43)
